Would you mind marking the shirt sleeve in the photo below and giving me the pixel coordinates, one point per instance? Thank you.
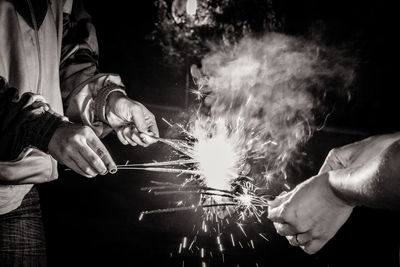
(84, 88)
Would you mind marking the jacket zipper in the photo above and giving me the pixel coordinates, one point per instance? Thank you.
(33, 17)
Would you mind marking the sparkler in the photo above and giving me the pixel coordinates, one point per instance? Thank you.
(263, 109)
(215, 166)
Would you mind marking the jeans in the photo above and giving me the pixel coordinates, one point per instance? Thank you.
(22, 241)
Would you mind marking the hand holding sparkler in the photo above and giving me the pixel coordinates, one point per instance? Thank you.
(79, 148)
(362, 173)
(310, 215)
(133, 122)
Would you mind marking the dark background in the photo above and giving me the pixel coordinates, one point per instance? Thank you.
(94, 222)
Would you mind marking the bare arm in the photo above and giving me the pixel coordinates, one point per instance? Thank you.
(365, 173)
(375, 182)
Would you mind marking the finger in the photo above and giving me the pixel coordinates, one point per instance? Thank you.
(292, 240)
(125, 136)
(278, 200)
(131, 134)
(121, 137)
(303, 238)
(148, 139)
(153, 129)
(83, 165)
(71, 164)
(139, 120)
(313, 246)
(93, 159)
(285, 229)
(97, 146)
(276, 214)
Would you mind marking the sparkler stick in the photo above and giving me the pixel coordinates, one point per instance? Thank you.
(177, 192)
(169, 187)
(168, 170)
(186, 208)
(201, 189)
(162, 163)
(175, 145)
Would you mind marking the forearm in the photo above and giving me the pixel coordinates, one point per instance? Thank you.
(23, 123)
(374, 183)
(84, 88)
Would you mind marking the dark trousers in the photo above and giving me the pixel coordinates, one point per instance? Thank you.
(22, 241)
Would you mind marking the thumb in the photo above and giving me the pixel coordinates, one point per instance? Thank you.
(140, 121)
(332, 161)
(278, 200)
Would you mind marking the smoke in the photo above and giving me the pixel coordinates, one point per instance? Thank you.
(268, 91)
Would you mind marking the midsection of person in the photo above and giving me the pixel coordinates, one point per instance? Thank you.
(30, 45)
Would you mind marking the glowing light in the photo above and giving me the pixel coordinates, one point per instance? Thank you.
(191, 7)
(245, 200)
(217, 155)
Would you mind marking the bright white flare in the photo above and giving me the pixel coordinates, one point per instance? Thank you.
(191, 7)
(217, 154)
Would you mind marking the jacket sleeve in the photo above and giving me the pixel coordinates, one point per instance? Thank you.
(24, 122)
(84, 88)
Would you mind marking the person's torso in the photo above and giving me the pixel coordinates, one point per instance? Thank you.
(30, 45)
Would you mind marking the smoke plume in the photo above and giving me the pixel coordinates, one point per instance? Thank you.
(268, 92)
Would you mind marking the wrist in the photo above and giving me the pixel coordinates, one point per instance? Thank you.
(39, 132)
(113, 101)
(102, 100)
(337, 183)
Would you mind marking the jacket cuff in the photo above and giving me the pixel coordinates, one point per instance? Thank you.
(101, 99)
(42, 131)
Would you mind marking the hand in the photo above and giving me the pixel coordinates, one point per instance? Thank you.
(133, 122)
(79, 148)
(310, 215)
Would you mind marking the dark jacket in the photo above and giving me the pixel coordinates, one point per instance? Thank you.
(48, 54)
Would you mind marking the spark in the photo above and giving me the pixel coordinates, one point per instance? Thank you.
(215, 162)
(192, 243)
(167, 122)
(241, 228)
(184, 242)
(263, 236)
(233, 241)
(286, 186)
